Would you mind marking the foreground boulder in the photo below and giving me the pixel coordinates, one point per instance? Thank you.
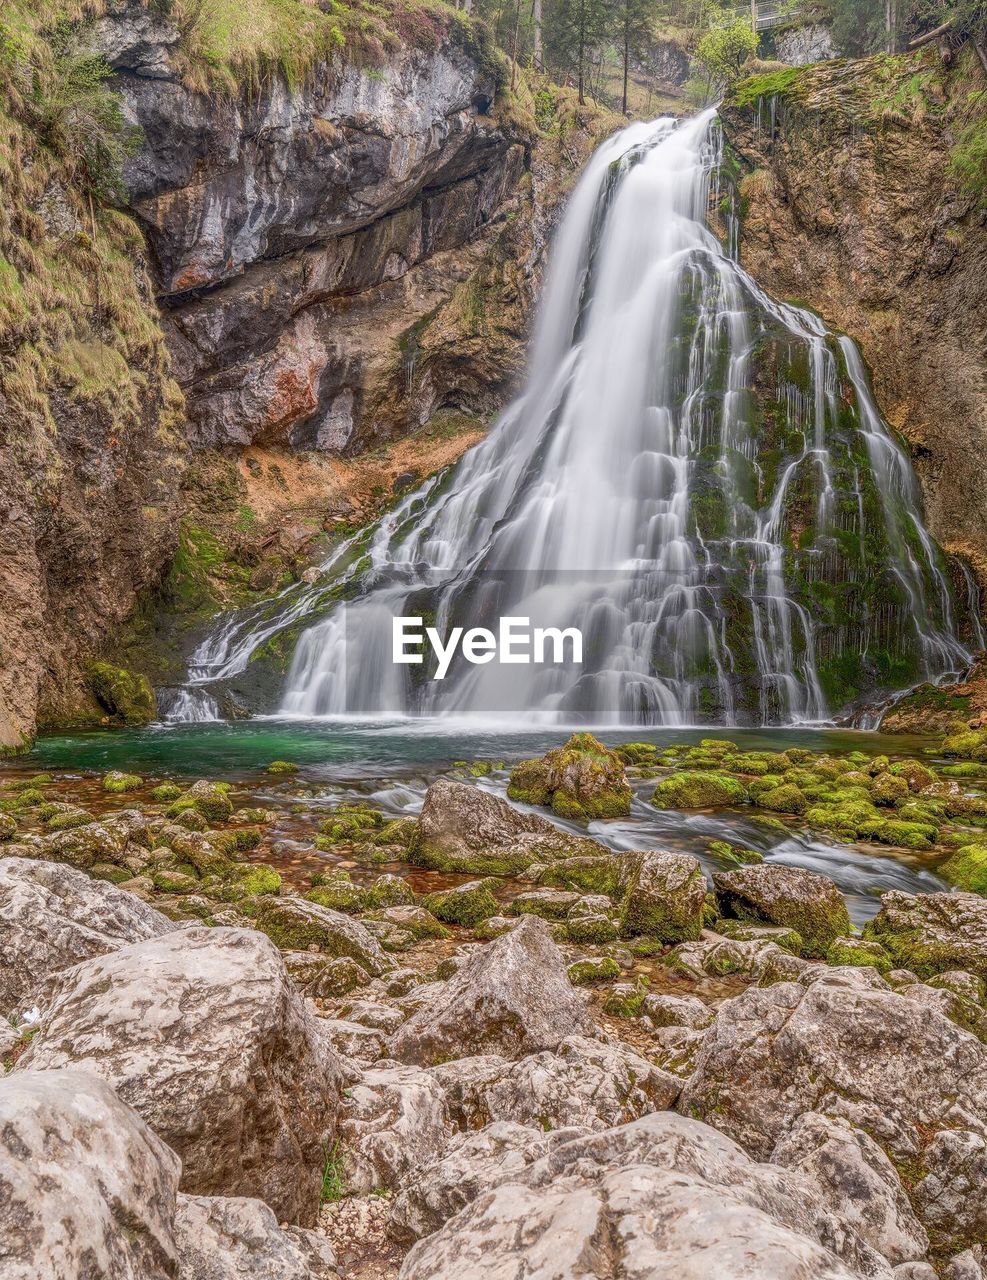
(788, 896)
(52, 917)
(932, 933)
(86, 1189)
(663, 1198)
(465, 829)
(842, 1044)
(511, 997)
(234, 1238)
(665, 896)
(203, 1033)
(583, 780)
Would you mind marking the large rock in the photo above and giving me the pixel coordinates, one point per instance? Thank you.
(86, 1189)
(582, 779)
(932, 933)
(858, 1181)
(463, 828)
(295, 925)
(663, 1198)
(52, 916)
(512, 997)
(789, 896)
(234, 1238)
(203, 1033)
(666, 893)
(843, 1044)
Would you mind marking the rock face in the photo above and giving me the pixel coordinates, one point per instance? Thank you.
(52, 917)
(462, 828)
(663, 1198)
(202, 1032)
(268, 214)
(511, 998)
(86, 1189)
(844, 1045)
(933, 932)
(786, 896)
(852, 206)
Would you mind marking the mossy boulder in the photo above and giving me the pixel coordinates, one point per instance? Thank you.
(917, 775)
(282, 767)
(338, 892)
(390, 891)
(665, 896)
(582, 779)
(789, 896)
(8, 827)
(115, 781)
(173, 881)
(967, 868)
(466, 904)
(733, 855)
(590, 930)
(699, 790)
(249, 880)
(787, 798)
(859, 953)
(550, 904)
(932, 933)
(594, 969)
(296, 925)
(125, 695)
(638, 753)
(626, 1000)
(602, 874)
(211, 799)
(968, 745)
(889, 790)
(165, 792)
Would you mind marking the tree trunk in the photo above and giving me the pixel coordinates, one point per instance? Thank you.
(536, 22)
(514, 51)
(582, 52)
(891, 23)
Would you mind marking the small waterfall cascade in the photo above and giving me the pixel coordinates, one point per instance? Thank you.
(695, 476)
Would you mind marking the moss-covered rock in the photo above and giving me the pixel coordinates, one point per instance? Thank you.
(390, 891)
(665, 896)
(211, 799)
(115, 781)
(967, 868)
(249, 880)
(699, 790)
(466, 904)
(238, 840)
(590, 930)
(889, 790)
(166, 792)
(282, 767)
(8, 827)
(174, 881)
(733, 855)
(296, 925)
(969, 745)
(787, 798)
(550, 904)
(594, 969)
(859, 953)
(582, 780)
(626, 1000)
(789, 896)
(917, 775)
(125, 695)
(932, 933)
(338, 892)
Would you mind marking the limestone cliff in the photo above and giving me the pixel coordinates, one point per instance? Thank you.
(849, 204)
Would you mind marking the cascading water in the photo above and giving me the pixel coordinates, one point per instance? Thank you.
(695, 476)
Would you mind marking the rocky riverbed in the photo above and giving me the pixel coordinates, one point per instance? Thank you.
(279, 1033)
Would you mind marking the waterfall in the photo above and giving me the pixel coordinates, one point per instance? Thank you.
(695, 476)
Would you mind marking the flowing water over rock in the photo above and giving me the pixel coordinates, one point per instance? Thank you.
(696, 477)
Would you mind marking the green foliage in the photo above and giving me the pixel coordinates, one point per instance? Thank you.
(333, 1188)
(968, 160)
(722, 52)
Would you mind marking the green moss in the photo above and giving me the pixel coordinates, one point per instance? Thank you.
(971, 745)
(466, 905)
(582, 780)
(591, 930)
(733, 855)
(602, 969)
(687, 790)
(8, 827)
(771, 84)
(338, 892)
(889, 790)
(125, 695)
(625, 1001)
(967, 868)
(165, 792)
(282, 766)
(250, 880)
(859, 953)
(239, 840)
(784, 799)
(116, 781)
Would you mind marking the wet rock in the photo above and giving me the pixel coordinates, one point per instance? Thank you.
(931, 933)
(789, 896)
(235, 1238)
(582, 779)
(463, 828)
(295, 925)
(842, 1043)
(86, 1189)
(511, 997)
(52, 917)
(202, 1032)
(858, 1181)
(664, 1197)
(666, 893)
